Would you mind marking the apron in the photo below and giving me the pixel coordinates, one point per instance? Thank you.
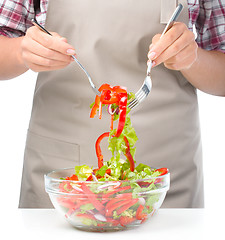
(111, 39)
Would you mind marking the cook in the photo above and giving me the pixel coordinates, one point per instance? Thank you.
(112, 39)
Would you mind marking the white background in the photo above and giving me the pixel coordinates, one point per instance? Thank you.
(16, 97)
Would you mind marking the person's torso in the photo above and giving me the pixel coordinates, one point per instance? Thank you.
(112, 39)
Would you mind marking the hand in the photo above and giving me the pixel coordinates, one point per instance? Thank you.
(177, 49)
(43, 52)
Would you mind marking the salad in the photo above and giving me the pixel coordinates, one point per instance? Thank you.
(116, 192)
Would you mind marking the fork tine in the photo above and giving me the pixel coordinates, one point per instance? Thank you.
(133, 103)
(139, 96)
(138, 92)
(137, 100)
(142, 98)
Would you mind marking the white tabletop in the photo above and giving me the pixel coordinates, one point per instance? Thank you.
(165, 224)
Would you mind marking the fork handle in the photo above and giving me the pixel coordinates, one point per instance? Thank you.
(170, 23)
(35, 23)
(173, 18)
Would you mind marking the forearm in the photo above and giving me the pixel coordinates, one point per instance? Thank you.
(207, 73)
(10, 58)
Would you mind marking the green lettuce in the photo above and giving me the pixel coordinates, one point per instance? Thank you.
(83, 172)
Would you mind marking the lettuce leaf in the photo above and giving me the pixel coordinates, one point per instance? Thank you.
(118, 147)
(83, 172)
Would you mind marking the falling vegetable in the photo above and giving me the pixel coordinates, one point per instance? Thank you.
(116, 192)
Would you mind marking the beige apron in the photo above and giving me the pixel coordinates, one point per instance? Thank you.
(111, 40)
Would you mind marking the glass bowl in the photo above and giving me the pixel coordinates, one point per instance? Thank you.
(105, 206)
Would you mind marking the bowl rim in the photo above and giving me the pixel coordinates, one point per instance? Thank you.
(46, 176)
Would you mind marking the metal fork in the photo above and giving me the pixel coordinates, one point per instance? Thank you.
(75, 59)
(145, 89)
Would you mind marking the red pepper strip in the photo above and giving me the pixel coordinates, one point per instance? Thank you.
(113, 98)
(119, 89)
(128, 154)
(114, 222)
(108, 171)
(101, 225)
(123, 175)
(95, 107)
(125, 220)
(109, 211)
(106, 196)
(122, 198)
(65, 202)
(139, 214)
(144, 218)
(100, 110)
(90, 178)
(162, 171)
(105, 86)
(86, 215)
(122, 113)
(116, 200)
(98, 149)
(76, 206)
(92, 197)
(97, 100)
(107, 95)
(112, 202)
(124, 195)
(117, 190)
(61, 187)
(126, 206)
(73, 177)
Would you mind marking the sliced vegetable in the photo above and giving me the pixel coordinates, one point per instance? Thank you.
(162, 171)
(92, 197)
(122, 113)
(126, 206)
(128, 154)
(109, 211)
(114, 202)
(139, 214)
(125, 220)
(98, 149)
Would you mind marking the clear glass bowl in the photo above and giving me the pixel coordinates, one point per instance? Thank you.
(105, 206)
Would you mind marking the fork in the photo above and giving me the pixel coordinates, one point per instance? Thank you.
(75, 59)
(145, 89)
